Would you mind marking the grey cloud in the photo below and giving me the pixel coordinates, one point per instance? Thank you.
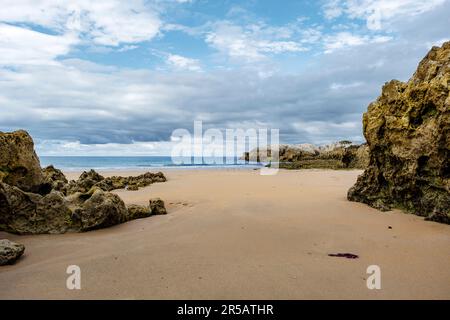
(81, 101)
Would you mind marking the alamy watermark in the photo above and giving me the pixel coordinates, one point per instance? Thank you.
(73, 282)
(215, 146)
(374, 280)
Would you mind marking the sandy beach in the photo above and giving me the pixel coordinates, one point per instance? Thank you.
(234, 234)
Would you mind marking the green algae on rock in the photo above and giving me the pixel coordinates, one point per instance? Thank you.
(408, 133)
(10, 252)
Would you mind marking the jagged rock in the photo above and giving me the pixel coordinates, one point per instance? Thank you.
(10, 252)
(157, 206)
(56, 178)
(287, 153)
(90, 179)
(132, 182)
(362, 157)
(340, 155)
(19, 164)
(85, 182)
(408, 133)
(29, 213)
(138, 212)
(356, 157)
(112, 183)
(96, 209)
(35, 200)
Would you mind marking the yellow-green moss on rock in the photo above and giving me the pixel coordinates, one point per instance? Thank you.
(408, 134)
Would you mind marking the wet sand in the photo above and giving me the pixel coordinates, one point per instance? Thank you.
(233, 234)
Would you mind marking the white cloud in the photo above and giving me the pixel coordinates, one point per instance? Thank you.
(127, 48)
(253, 42)
(378, 12)
(342, 40)
(344, 86)
(183, 63)
(104, 22)
(311, 35)
(332, 9)
(320, 130)
(23, 46)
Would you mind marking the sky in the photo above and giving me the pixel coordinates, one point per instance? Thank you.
(111, 77)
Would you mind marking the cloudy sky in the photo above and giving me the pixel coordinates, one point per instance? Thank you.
(110, 77)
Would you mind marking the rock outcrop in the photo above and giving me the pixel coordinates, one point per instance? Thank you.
(56, 178)
(19, 164)
(96, 209)
(85, 182)
(408, 133)
(35, 200)
(137, 212)
(30, 213)
(90, 179)
(340, 155)
(10, 252)
(157, 206)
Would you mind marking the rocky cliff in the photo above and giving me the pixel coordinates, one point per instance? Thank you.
(408, 134)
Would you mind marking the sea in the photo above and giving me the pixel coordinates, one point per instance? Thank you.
(80, 163)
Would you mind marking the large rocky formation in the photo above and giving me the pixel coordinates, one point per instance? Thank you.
(10, 252)
(408, 133)
(19, 164)
(35, 200)
(340, 155)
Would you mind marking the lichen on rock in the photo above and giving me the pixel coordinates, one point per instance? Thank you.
(56, 178)
(10, 251)
(89, 179)
(138, 211)
(408, 133)
(19, 164)
(157, 206)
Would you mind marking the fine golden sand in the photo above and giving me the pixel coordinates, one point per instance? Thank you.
(234, 234)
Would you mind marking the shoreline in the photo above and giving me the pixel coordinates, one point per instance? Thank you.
(70, 171)
(73, 174)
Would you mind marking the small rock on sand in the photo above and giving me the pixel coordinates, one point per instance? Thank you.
(10, 251)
